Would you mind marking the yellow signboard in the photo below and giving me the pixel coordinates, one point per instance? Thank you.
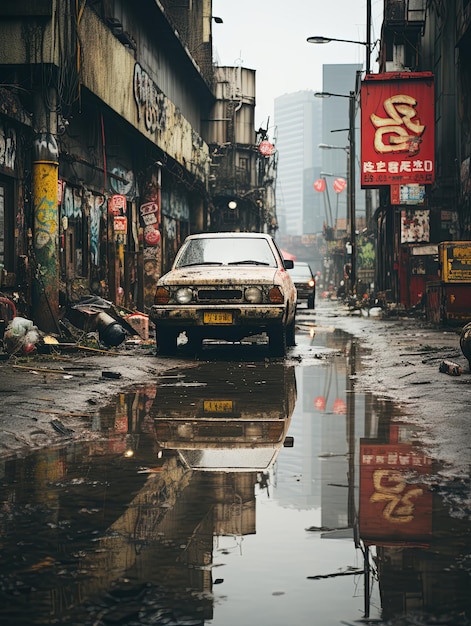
(455, 261)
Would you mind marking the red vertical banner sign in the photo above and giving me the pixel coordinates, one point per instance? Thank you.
(397, 129)
(395, 507)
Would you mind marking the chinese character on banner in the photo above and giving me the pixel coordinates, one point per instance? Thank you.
(397, 129)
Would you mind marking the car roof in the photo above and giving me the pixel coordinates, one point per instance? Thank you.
(231, 235)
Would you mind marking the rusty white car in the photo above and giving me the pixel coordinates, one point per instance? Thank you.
(226, 286)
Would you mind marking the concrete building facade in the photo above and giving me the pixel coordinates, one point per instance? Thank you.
(298, 118)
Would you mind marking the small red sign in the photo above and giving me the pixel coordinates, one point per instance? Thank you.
(120, 224)
(151, 236)
(117, 204)
(319, 184)
(266, 148)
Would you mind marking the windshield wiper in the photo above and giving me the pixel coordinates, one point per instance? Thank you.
(248, 262)
(201, 263)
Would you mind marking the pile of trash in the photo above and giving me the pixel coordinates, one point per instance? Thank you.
(92, 315)
(21, 336)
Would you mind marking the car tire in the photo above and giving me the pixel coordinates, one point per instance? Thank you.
(195, 342)
(310, 302)
(166, 341)
(291, 334)
(277, 341)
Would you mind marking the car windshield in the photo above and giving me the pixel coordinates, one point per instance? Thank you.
(300, 272)
(226, 251)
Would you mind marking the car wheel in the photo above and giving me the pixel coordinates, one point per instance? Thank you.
(195, 341)
(277, 341)
(291, 334)
(166, 341)
(310, 302)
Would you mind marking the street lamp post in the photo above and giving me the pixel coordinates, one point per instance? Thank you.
(321, 39)
(351, 177)
(351, 194)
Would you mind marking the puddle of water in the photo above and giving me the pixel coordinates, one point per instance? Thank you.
(189, 508)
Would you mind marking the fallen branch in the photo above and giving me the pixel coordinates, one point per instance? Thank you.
(352, 573)
(42, 370)
(98, 350)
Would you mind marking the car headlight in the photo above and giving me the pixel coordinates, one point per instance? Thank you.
(184, 295)
(253, 295)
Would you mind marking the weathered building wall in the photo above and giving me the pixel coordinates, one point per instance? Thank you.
(125, 112)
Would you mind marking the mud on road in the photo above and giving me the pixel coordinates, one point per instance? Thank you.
(45, 399)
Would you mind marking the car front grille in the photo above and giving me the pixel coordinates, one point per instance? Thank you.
(205, 295)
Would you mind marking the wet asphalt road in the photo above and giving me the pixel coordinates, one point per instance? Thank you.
(75, 483)
(48, 398)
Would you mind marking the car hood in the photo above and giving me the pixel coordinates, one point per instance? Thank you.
(221, 274)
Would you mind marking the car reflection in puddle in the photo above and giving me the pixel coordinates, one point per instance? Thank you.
(236, 422)
(123, 526)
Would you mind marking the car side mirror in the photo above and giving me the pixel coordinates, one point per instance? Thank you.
(288, 263)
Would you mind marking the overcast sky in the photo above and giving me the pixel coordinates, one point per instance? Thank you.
(269, 36)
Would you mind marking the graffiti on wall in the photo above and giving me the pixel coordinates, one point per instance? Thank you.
(45, 216)
(7, 146)
(175, 204)
(71, 207)
(122, 181)
(72, 203)
(97, 211)
(151, 103)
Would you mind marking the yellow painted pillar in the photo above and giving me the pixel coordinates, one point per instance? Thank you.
(46, 233)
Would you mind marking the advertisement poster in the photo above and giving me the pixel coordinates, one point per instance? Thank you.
(397, 129)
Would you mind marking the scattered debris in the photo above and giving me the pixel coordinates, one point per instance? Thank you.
(448, 367)
(116, 375)
(352, 572)
(46, 370)
(60, 428)
(93, 313)
(21, 336)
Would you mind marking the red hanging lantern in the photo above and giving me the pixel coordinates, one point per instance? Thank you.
(319, 184)
(319, 403)
(339, 407)
(339, 184)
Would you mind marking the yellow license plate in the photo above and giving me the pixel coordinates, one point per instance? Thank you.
(217, 406)
(217, 318)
